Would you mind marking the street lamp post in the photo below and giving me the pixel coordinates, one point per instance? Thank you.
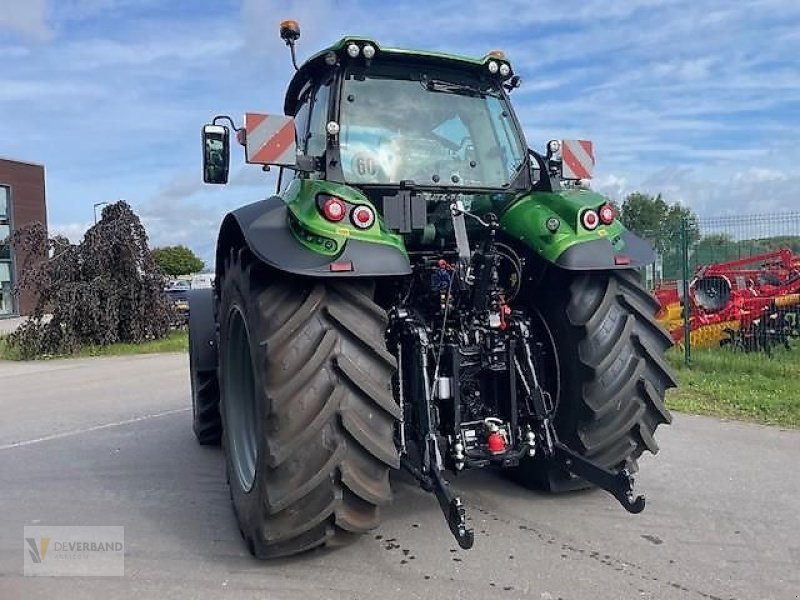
(96, 204)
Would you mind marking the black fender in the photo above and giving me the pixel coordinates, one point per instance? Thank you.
(202, 330)
(264, 228)
(601, 255)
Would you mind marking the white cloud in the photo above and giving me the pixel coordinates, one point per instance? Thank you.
(760, 175)
(28, 18)
(746, 192)
(28, 91)
(72, 231)
(184, 47)
(14, 52)
(694, 98)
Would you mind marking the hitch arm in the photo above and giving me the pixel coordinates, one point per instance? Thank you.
(453, 510)
(428, 467)
(619, 484)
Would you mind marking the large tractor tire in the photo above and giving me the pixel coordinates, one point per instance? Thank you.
(206, 420)
(307, 408)
(612, 376)
(207, 423)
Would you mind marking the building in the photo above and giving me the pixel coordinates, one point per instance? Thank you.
(22, 201)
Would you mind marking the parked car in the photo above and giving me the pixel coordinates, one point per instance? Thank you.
(178, 292)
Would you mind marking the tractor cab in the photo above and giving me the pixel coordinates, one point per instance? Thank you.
(375, 117)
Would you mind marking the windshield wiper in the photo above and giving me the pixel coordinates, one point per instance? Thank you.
(449, 87)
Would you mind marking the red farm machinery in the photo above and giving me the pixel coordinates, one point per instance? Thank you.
(751, 303)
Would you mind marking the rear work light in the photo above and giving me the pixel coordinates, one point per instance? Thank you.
(607, 214)
(334, 209)
(363, 217)
(590, 220)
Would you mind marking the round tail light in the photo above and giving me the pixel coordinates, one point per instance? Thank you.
(363, 217)
(590, 219)
(607, 214)
(334, 209)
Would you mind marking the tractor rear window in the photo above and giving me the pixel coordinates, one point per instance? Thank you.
(430, 131)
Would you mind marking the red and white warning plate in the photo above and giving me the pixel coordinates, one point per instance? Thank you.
(577, 159)
(270, 139)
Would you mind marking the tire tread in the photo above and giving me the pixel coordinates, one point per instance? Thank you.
(329, 412)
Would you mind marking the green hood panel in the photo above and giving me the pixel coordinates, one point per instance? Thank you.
(526, 218)
(316, 233)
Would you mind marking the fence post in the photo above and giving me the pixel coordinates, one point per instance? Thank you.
(687, 338)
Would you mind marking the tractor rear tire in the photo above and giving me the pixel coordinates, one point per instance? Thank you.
(307, 407)
(612, 372)
(206, 420)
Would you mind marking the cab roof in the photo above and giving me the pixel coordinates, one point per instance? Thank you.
(315, 65)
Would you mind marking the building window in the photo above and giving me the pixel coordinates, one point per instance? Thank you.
(6, 280)
(3, 204)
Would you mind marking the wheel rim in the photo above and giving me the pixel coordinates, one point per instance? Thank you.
(240, 401)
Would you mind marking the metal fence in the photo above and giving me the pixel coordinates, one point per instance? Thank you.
(741, 275)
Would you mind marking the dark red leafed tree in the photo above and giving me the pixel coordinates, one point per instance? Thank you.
(104, 290)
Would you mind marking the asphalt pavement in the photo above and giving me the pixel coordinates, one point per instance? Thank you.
(108, 441)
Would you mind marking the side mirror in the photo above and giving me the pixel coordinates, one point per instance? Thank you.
(216, 154)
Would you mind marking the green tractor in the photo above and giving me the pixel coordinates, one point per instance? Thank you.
(421, 292)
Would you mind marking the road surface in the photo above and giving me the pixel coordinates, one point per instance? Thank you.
(108, 441)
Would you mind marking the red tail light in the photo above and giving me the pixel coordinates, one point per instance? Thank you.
(363, 217)
(334, 209)
(590, 219)
(607, 214)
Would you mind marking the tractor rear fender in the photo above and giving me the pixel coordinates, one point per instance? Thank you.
(202, 329)
(568, 242)
(264, 228)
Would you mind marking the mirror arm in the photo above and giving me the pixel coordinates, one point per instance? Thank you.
(229, 120)
(306, 164)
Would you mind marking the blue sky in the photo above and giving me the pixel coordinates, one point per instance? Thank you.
(696, 99)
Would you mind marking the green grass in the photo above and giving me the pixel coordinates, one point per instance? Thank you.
(176, 341)
(750, 387)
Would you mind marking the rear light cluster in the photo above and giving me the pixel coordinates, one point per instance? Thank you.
(363, 217)
(607, 214)
(591, 218)
(335, 210)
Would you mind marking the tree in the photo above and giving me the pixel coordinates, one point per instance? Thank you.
(722, 247)
(652, 218)
(643, 214)
(177, 260)
(104, 290)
